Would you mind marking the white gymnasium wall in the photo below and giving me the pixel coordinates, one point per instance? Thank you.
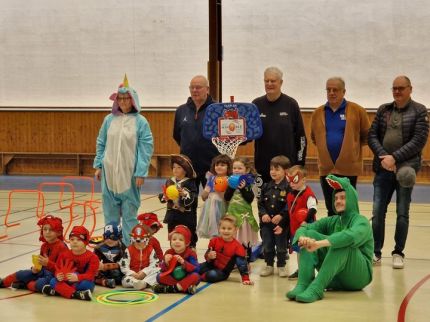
(74, 52)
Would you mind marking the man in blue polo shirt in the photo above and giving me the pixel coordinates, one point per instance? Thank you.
(339, 130)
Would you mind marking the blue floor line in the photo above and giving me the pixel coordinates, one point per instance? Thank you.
(172, 306)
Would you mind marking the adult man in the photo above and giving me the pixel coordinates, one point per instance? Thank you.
(339, 130)
(397, 136)
(283, 130)
(339, 247)
(187, 130)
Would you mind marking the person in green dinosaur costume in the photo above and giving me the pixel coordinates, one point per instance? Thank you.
(339, 247)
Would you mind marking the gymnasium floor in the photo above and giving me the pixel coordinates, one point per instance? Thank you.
(394, 295)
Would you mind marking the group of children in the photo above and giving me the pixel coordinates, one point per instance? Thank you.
(227, 219)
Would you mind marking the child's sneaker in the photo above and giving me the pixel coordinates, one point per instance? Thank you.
(82, 295)
(267, 271)
(48, 290)
(192, 289)
(160, 288)
(294, 276)
(139, 285)
(282, 272)
(1, 283)
(110, 282)
(398, 261)
(18, 285)
(376, 260)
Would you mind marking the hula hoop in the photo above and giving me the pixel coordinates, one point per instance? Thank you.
(142, 297)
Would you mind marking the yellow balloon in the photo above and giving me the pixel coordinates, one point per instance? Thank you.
(172, 192)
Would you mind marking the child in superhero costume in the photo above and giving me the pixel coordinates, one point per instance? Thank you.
(340, 247)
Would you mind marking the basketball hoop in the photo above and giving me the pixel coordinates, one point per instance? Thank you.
(228, 144)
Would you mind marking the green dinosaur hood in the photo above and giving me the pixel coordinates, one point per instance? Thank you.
(351, 208)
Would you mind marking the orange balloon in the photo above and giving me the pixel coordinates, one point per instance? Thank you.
(220, 184)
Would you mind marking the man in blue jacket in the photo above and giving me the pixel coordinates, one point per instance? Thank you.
(188, 129)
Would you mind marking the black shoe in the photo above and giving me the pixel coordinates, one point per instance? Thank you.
(48, 290)
(192, 289)
(294, 276)
(110, 282)
(1, 283)
(82, 295)
(160, 288)
(19, 285)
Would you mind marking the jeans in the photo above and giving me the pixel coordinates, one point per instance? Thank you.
(270, 241)
(328, 191)
(385, 184)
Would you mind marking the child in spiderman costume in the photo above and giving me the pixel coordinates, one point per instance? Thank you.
(110, 252)
(224, 252)
(75, 269)
(34, 279)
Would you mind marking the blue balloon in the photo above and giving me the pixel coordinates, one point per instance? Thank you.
(234, 180)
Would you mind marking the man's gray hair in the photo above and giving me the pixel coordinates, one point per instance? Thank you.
(337, 79)
(273, 70)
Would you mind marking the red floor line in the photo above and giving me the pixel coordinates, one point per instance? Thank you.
(408, 297)
(11, 297)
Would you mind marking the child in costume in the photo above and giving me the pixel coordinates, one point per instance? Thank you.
(240, 198)
(140, 263)
(340, 247)
(123, 153)
(34, 279)
(75, 269)
(273, 213)
(183, 209)
(110, 252)
(224, 252)
(213, 195)
(180, 269)
(151, 220)
(302, 205)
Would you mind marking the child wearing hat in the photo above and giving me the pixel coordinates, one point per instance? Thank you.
(181, 208)
(151, 220)
(110, 252)
(180, 269)
(140, 263)
(75, 269)
(34, 279)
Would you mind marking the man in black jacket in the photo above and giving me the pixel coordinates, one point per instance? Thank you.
(396, 137)
(188, 129)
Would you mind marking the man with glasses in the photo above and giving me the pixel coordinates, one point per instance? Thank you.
(188, 128)
(397, 137)
(339, 130)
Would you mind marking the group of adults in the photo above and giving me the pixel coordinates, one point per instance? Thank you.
(339, 130)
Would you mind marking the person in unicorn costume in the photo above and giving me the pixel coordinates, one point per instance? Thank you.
(124, 149)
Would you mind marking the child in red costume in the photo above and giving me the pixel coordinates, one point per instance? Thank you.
(34, 279)
(151, 220)
(224, 252)
(139, 263)
(179, 272)
(302, 205)
(76, 269)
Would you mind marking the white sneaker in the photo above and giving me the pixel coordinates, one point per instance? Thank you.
(266, 271)
(282, 272)
(398, 261)
(139, 285)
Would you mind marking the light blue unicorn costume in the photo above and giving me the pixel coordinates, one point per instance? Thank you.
(124, 149)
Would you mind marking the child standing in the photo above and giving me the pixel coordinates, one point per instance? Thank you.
(75, 269)
(180, 269)
(273, 213)
(151, 220)
(302, 204)
(240, 207)
(140, 262)
(224, 252)
(34, 279)
(182, 211)
(109, 252)
(215, 206)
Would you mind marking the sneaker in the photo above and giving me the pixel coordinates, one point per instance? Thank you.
(376, 260)
(110, 282)
(139, 285)
(267, 271)
(160, 288)
(192, 289)
(398, 261)
(82, 295)
(282, 272)
(1, 283)
(19, 285)
(48, 290)
(294, 276)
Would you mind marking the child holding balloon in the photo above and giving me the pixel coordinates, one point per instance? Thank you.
(213, 195)
(180, 193)
(239, 194)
